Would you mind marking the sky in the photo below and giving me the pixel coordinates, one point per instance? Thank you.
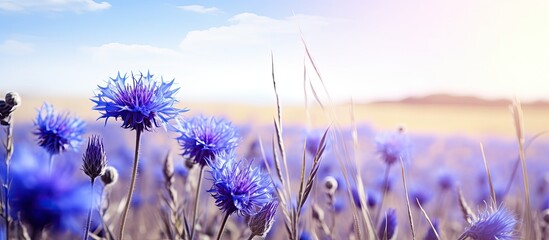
(221, 50)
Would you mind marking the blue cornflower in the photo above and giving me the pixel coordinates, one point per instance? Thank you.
(493, 224)
(446, 180)
(58, 132)
(421, 195)
(392, 146)
(201, 138)
(48, 201)
(388, 227)
(141, 104)
(239, 187)
(94, 159)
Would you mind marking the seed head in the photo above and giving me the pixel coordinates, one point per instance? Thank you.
(110, 176)
(330, 184)
(260, 224)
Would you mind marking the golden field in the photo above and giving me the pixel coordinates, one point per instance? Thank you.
(449, 119)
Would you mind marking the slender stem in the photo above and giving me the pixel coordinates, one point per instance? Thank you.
(50, 164)
(196, 200)
(87, 232)
(385, 186)
(132, 185)
(223, 226)
(9, 152)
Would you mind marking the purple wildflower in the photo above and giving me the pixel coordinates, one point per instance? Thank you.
(142, 104)
(94, 159)
(202, 138)
(238, 187)
(493, 225)
(58, 132)
(388, 227)
(392, 146)
(446, 180)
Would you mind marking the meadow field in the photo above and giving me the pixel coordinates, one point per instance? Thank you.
(443, 156)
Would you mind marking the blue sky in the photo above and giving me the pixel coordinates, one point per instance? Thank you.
(220, 50)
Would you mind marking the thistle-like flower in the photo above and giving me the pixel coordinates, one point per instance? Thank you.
(388, 227)
(239, 187)
(498, 224)
(260, 224)
(94, 159)
(392, 146)
(58, 132)
(202, 138)
(141, 104)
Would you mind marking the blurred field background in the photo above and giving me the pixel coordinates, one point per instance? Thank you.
(436, 114)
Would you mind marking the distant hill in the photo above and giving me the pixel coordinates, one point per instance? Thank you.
(447, 99)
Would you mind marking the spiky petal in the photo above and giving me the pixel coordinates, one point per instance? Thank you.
(239, 187)
(498, 224)
(142, 103)
(94, 160)
(58, 132)
(202, 138)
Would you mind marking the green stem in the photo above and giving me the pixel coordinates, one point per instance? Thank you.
(223, 226)
(196, 200)
(87, 232)
(132, 185)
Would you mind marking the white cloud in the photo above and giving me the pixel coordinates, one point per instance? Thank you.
(226, 62)
(53, 5)
(13, 47)
(199, 9)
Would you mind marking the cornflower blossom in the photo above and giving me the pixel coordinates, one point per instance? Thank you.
(392, 146)
(58, 132)
(141, 104)
(498, 224)
(202, 138)
(239, 187)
